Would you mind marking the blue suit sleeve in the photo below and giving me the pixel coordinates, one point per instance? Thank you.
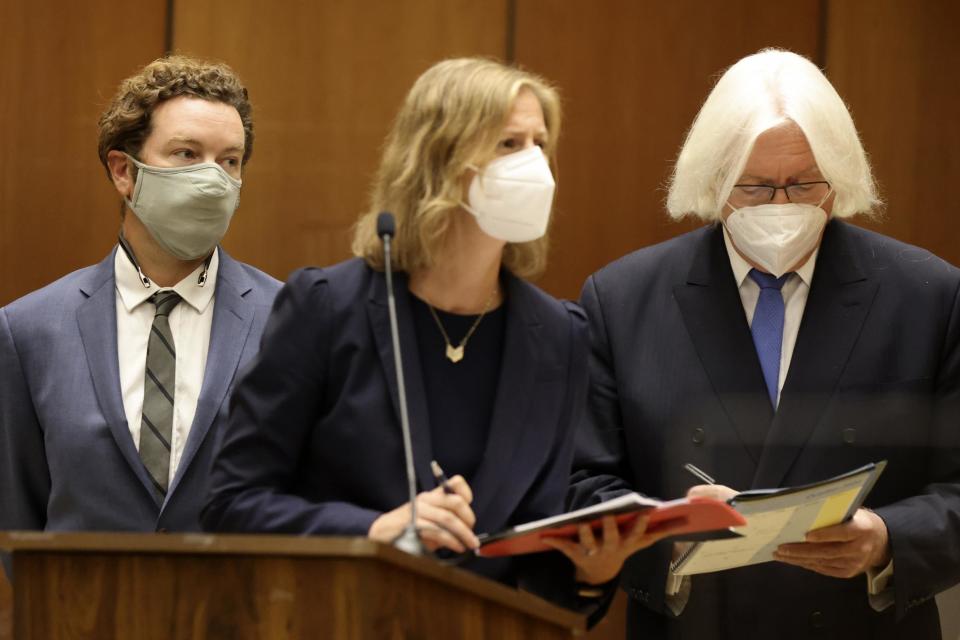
(24, 475)
(274, 410)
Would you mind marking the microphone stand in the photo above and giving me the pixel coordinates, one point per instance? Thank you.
(409, 539)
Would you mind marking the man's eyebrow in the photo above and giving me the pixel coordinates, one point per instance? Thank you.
(767, 180)
(183, 139)
(195, 142)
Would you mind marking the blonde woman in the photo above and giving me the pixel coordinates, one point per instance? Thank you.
(495, 368)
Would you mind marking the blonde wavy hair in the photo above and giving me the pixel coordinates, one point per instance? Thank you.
(125, 123)
(451, 119)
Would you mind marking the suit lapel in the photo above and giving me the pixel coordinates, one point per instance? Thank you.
(97, 320)
(230, 329)
(379, 316)
(514, 442)
(713, 314)
(840, 298)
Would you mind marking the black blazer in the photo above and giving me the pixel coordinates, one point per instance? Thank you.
(314, 446)
(875, 375)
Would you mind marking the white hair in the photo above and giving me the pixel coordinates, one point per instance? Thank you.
(757, 93)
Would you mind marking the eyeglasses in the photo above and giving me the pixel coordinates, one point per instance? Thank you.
(801, 192)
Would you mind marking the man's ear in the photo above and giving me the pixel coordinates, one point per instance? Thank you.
(120, 172)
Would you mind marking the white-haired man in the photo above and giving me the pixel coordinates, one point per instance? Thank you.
(778, 346)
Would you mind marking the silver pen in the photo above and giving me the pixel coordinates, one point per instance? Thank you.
(700, 474)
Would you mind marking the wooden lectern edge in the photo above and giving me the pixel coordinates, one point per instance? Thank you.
(284, 545)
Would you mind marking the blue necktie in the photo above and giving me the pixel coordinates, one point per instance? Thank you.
(767, 328)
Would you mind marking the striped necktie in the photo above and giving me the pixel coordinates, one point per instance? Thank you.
(767, 328)
(156, 426)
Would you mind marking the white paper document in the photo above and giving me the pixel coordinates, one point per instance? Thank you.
(780, 516)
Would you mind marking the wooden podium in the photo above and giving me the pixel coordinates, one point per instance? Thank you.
(97, 586)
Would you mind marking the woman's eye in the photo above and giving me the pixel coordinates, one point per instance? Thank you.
(509, 143)
(186, 154)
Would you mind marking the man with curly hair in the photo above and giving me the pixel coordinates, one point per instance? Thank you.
(116, 378)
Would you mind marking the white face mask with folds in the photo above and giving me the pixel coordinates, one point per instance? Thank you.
(512, 198)
(776, 237)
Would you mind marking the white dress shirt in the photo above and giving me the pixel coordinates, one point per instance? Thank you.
(190, 323)
(795, 292)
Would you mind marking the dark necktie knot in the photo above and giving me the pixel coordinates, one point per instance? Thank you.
(767, 281)
(165, 301)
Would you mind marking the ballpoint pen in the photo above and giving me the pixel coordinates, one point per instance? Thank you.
(440, 476)
(697, 472)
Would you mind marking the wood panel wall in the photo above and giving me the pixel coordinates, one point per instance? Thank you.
(327, 77)
(895, 63)
(59, 65)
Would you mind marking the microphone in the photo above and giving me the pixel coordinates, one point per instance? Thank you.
(409, 539)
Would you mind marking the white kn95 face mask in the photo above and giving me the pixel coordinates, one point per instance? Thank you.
(776, 237)
(512, 197)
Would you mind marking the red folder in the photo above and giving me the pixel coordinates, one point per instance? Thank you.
(685, 519)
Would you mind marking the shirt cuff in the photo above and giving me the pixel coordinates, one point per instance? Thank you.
(880, 587)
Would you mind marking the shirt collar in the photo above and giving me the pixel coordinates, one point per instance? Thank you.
(133, 293)
(741, 268)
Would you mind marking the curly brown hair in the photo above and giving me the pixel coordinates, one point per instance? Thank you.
(125, 124)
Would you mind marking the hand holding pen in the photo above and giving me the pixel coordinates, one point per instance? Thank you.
(444, 517)
(440, 477)
(710, 488)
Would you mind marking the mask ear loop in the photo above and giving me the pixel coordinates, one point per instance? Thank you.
(825, 197)
(144, 280)
(202, 280)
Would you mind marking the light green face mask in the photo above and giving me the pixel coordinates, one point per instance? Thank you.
(186, 209)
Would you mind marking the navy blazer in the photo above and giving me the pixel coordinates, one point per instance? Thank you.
(314, 444)
(875, 375)
(67, 460)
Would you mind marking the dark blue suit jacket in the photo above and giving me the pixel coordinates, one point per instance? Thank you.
(67, 461)
(314, 444)
(875, 375)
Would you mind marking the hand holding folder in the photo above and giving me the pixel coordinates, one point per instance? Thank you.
(687, 519)
(780, 516)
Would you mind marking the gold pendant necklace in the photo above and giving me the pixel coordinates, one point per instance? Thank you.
(455, 353)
